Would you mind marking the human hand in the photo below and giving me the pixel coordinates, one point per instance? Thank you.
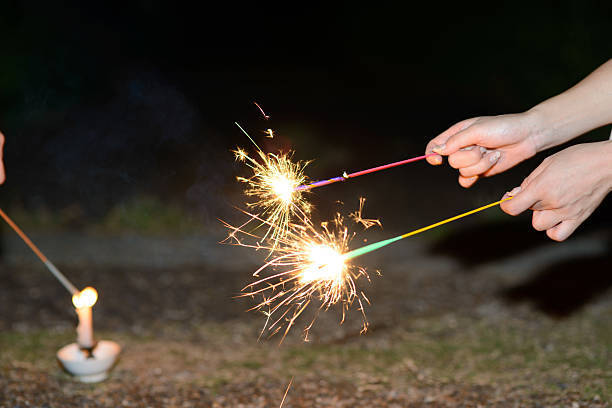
(486, 145)
(2, 175)
(565, 189)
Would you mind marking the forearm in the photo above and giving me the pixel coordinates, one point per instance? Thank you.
(584, 107)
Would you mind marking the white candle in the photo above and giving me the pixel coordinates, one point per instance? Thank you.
(85, 337)
(83, 301)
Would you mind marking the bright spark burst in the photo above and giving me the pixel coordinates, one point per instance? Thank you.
(273, 186)
(306, 266)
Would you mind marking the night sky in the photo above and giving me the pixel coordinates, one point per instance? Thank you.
(100, 103)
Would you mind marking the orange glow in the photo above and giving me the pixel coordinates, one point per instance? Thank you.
(85, 298)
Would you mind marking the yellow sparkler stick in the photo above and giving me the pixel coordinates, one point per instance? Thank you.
(376, 245)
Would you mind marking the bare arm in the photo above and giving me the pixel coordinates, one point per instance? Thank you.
(584, 107)
(507, 140)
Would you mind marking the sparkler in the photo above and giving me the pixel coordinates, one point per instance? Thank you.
(273, 184)
(58, 275)
(316, 265)
(307, 265)
(346, 176)
(376, 245)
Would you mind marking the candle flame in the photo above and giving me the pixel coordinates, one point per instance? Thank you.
(85, 298)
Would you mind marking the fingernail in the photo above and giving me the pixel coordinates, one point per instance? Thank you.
(514, 191)
(495, 157)
(439, 149)
(467, 149)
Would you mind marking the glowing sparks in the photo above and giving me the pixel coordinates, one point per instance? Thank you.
(306, 266)
(273, 187)
(266, 117)
(269, 133)
(358, 217)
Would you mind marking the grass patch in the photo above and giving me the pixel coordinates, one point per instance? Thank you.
(144, 215)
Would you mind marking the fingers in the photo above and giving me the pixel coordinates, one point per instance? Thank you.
(434, 145)
(468, 156)
(545, 220)
(562, 231)
(467, 182)
(482, 166)
(468, 137)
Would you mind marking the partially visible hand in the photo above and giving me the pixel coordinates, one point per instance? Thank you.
(2, 174)
(486, 145)
(565, 189)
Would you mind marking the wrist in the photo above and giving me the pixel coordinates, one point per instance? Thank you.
(538, 127)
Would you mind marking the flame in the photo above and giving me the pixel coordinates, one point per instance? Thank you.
(283, 187)
(326, 264)
(85, 298)
(273, 185)
(305, 266)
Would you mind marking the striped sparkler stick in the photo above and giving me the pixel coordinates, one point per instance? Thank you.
(58, 275)
(376, 245)
(346, 176)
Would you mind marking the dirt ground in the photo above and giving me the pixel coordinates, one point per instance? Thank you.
(449, 326)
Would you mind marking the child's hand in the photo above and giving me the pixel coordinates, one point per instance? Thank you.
(2, 175)
(486, 145)
(565, 189)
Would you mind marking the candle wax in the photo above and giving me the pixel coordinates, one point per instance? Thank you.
(85, 337)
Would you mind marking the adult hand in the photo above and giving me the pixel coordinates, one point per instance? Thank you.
(565, 189)
(484, 146)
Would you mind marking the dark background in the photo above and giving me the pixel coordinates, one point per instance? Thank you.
(102, 102)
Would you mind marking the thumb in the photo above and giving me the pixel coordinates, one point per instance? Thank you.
(438, 143)
(523, 198)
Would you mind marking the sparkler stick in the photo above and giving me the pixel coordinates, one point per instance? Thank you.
(360, 173)
(58, 275)
(376, 245)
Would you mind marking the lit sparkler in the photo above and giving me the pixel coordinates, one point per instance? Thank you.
(273, 185)
(307, 265)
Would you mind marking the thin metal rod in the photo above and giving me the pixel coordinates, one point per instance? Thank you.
(360, 173)
(376, 245)
(58, 275)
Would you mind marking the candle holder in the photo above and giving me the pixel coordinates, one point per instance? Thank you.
(89, 365)
(87, 359)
